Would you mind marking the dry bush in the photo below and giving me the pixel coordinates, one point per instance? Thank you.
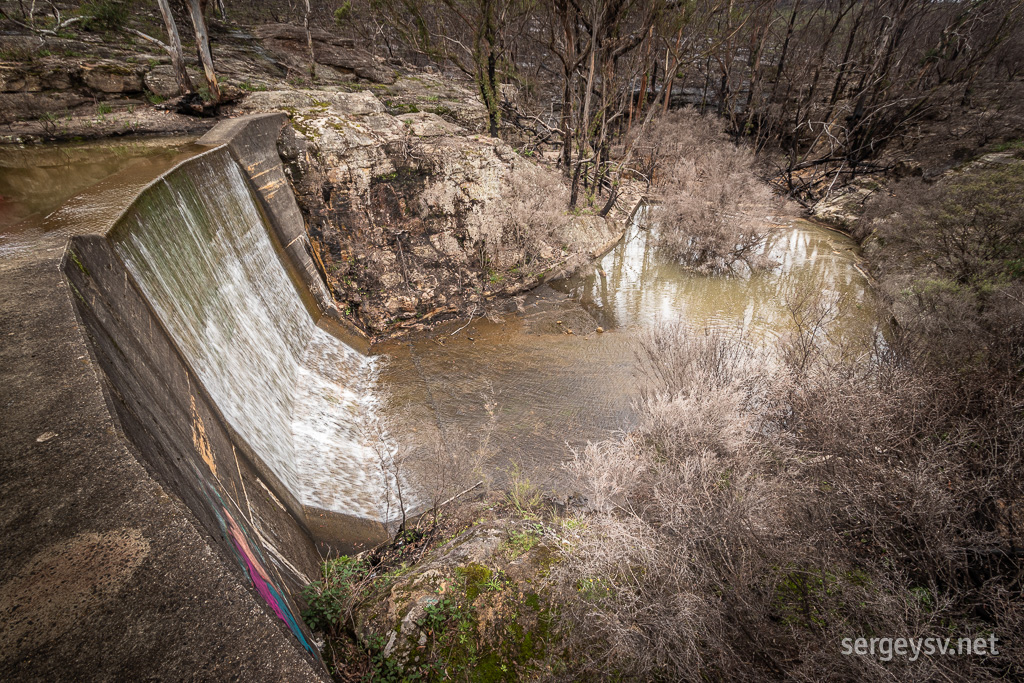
(655, 577)
(923, 474)
(757, 517)
(421, 476)
(950, 258)
(449, 465)
(713, 210)
(820, 330)
(967, 228)
(530, 221)
(392, 458)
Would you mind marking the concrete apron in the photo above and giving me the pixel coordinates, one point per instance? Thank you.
(139, 539)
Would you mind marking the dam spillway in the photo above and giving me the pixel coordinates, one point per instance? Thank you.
(165, 539)
(198, 245)
(189, 418)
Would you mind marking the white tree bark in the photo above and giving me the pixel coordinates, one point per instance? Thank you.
(309, 39)
(203, 41)
(174, 48)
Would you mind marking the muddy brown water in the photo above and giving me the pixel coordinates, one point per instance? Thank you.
(530, 391)
(35, 180)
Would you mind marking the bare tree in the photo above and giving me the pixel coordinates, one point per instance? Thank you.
(195, 9)
(173, 48)
(473, 36)
(309, 42)
(596, 45)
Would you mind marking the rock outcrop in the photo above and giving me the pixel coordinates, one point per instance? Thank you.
(413, 219)
(53, 76)
(412, 213)
(481, 602)
(289, 45)
(30, 89)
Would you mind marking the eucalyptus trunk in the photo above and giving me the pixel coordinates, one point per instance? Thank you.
(174, 48)
(203, 43)
(309, 41)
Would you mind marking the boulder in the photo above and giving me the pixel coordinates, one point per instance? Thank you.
(497, 586)
(108, 77)
(36, 77)
(426, 124)
(274, 100)
(411, 215)
(353, 103)
(160, 81)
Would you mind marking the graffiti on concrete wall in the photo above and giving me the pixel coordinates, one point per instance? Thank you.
(247, 553)
(250, 559)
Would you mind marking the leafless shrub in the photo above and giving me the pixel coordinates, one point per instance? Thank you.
(391, 460)
(815, 335)
(713, 210)
(449, 465)
(425, 474)
(678, 359)
(434, 465)
(683, 492)
(531, 219)
(949, 257)
(760, 513)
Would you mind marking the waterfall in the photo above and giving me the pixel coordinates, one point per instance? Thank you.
(198, 246)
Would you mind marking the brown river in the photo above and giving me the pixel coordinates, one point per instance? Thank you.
(524, 387)
(534, 384)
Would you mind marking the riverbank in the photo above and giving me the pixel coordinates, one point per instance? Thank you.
(839, 481)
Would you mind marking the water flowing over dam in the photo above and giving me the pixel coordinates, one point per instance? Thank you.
(197, 418)
(133, 480)
(199, 247)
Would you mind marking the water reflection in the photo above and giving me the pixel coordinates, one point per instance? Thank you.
(533, 390)
(633, 287)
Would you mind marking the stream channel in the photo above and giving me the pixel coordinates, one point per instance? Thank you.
(528, 386)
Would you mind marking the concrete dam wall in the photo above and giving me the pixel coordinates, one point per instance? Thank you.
(197, 245)
(192, 337)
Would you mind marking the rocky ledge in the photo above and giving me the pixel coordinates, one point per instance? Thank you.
(470, 596)
(413, 218)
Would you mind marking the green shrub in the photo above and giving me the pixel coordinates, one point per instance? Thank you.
(105, 15)
(342, 14)
(328, 598)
